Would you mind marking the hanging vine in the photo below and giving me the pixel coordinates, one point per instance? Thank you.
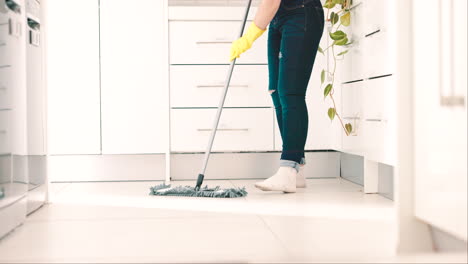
(339, 16)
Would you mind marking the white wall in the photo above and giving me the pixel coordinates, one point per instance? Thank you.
(73, 77)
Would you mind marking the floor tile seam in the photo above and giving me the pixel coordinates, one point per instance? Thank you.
(282, 243)
(121, 219)
(55, 193)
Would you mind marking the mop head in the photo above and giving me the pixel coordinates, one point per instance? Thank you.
(217, 192)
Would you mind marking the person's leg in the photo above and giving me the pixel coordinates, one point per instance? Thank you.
(301, 35)
(274, 42)
(284, 178)
(295, 66)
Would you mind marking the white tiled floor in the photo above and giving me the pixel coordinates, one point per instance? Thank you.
(331, 220)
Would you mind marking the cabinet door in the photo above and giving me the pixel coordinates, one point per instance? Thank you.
(440, 114)
(134, 74)
(73, 76)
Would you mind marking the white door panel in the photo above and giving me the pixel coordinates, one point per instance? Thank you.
(73, 77)
(133, 82)
(440, 125)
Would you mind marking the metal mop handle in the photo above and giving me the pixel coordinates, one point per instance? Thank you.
(220, 106)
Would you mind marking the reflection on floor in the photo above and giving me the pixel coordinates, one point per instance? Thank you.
(331, 220)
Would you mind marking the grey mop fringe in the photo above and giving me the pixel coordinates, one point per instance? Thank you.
(217, 192)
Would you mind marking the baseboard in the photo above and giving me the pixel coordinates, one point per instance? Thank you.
(184, 166)
(386, 180)
(77, 168)
(12, 216)
(320, 164)
(352, 169)
(444, 242)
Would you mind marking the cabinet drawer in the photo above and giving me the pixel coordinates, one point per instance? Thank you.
(202, 85)
(357, 29)
(5, 144)
(354, 143)
(238, 130)
(352, 99)
(5, 87)
(377, 14)
(11, 40)
(353, 62)
(380, 54)
(4, 32)
(209, 42)
(380, 141)
(378, 97)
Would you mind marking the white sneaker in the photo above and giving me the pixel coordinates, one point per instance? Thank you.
(283, 180)
(300, 178)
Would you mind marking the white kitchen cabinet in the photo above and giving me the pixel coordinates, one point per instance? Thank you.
(378, 15)
(380, 55)
(201, 86)
(248, 129)
(352, 112)
(440, 114)
(5, 88)
(73, 77)
(369, 87)
(5, 137)
(378, 97)
(209, 42)
(133, 77)
(200, 39)
(353, 60)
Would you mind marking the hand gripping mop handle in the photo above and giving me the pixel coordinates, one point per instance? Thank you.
(220, 106)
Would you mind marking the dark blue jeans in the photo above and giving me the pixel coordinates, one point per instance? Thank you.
(293, 39)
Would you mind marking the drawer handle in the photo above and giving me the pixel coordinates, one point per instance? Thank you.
(2, 131)
(3, 88)
(223, 129)
(373, 33)
(214, 42)
(221, 86)
(452, 100)
(374, 120)
(447, 94)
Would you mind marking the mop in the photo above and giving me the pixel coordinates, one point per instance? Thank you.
(198, 190)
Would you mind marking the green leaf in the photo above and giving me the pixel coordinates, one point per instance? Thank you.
(331, 113)
(342, 53)
(346, 19)
(349, 128)
(334, 18)
(346, 4)
(329, 4)
(322, 76)
(320, 50)
(341, 42)
(327, 90)
(338, 35)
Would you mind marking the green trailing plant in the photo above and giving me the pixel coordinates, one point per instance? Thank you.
(338, 15)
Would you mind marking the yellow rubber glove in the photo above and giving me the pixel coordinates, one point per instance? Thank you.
(245, 42)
